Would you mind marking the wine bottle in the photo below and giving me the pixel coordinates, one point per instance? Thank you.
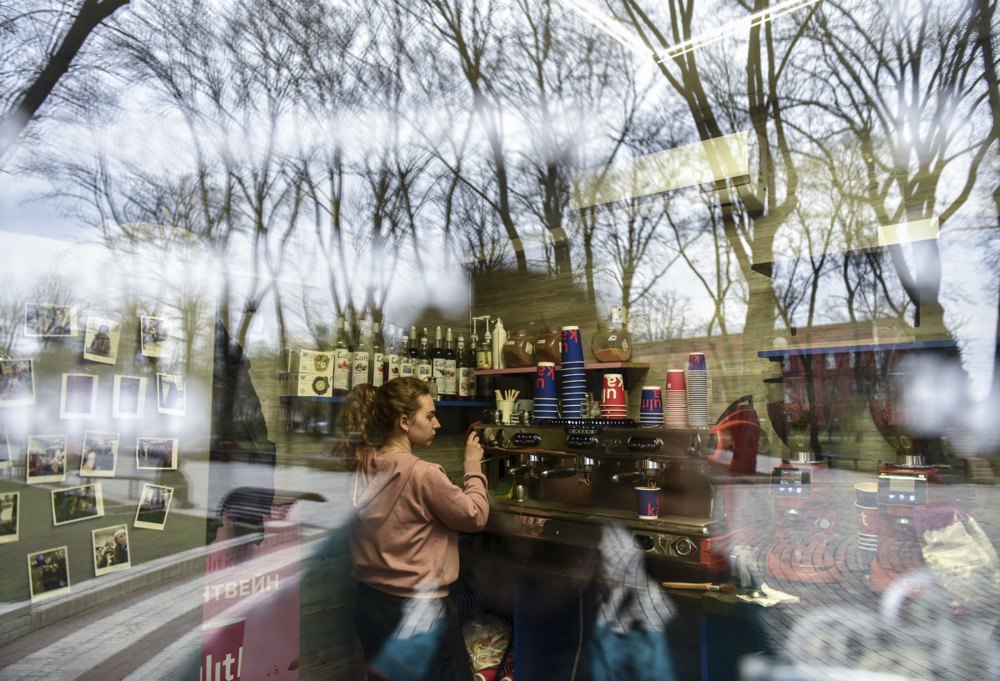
(463, 371)
(361, 370)
(392, 353)
(378, 356)
(408, 355)
(439, 364)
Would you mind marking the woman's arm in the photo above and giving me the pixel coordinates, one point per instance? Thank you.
(465, 510)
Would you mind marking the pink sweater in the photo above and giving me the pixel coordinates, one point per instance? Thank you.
(404, 540)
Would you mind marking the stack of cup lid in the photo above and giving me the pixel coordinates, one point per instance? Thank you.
(614, 404)
(546, 402)
(574, 380)
(676, 402)
(697, 390)
(651, 407)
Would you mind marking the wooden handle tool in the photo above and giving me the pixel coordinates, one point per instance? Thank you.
(701, 586)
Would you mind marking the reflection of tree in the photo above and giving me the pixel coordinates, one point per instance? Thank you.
(21, 25)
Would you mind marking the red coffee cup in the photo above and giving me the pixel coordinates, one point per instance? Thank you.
(675, 380)
(613, 393)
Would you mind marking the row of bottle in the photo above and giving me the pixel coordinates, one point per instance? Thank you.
(371, 357)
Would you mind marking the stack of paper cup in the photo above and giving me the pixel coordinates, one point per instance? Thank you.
(574, 380)
(613, 400)
(697, 390)
(676, 402)
(546, 404)
(651, 407)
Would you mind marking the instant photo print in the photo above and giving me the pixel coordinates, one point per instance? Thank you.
(156, 453)
(111, 549)
(154, 504)
(10, 507)
(48, 573)
(100, 342)
(6, 454)
(79, 396)
(46, 320)
(99, 455)
(129, 399)
(17, 382)
(170, 394)
(46, 458)
(154, 333)
(73, 504)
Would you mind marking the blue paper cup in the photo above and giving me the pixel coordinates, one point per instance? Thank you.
(652, 401)
(545, 381)
(572, 345)
(696, 361)
(647, 502)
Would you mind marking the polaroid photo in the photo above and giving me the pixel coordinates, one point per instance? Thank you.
(100, 343)
(100, 455)
(129, 400)
(48, 573)
(46, 458)
(156, 453)
(10, 507)
(47, 320)
(154, 333)
(17, 382)
(111, 549)
(73, 504)
(170, 394)
(79, 396)
(154, 504)
(6, 453)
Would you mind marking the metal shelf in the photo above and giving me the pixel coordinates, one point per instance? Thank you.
(472, 404)
(601, 366)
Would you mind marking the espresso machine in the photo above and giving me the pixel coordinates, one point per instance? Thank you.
(805, 546)
(561, 482)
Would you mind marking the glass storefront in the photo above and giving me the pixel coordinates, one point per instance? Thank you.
(525, 340)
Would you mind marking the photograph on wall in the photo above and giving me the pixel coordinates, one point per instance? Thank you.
(156, 453)
(111, 549)
(79, 396)
(100, 343)
(48, 573)
(129, 400)
(154, 504)
(10, 506)
(100, 454)
(17, 382)
(170, 394)
(154, 333)
(73, 504)
(46, 458)
(6, 455)
(46, 320)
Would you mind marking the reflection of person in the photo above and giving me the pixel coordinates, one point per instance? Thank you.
(173, 394)
(53, 571)
(404, 543)
(101, 345)
(13, 384)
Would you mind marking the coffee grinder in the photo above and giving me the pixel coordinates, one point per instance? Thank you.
(805, 546)
(903, 486)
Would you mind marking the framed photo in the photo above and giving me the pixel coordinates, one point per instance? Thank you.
(154, 504)
(6, 455)
(47, 320)
(73, 504)
(154, 333)
(17, 382)
(156, 453)
(46, 458)
(111, 550)
(100, 455)
(10, 508)
(170, 394)
(79, 396)
(48, 573)
(129, 399)
(100, 342)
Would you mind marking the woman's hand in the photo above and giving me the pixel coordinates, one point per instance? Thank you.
(473, 450)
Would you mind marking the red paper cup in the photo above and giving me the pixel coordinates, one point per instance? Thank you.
(613, 393)
(676, 380)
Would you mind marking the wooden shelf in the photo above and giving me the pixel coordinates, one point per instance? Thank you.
(472, 404)
(597, 366)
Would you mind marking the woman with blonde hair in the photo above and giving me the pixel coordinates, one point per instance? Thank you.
(404, 541)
